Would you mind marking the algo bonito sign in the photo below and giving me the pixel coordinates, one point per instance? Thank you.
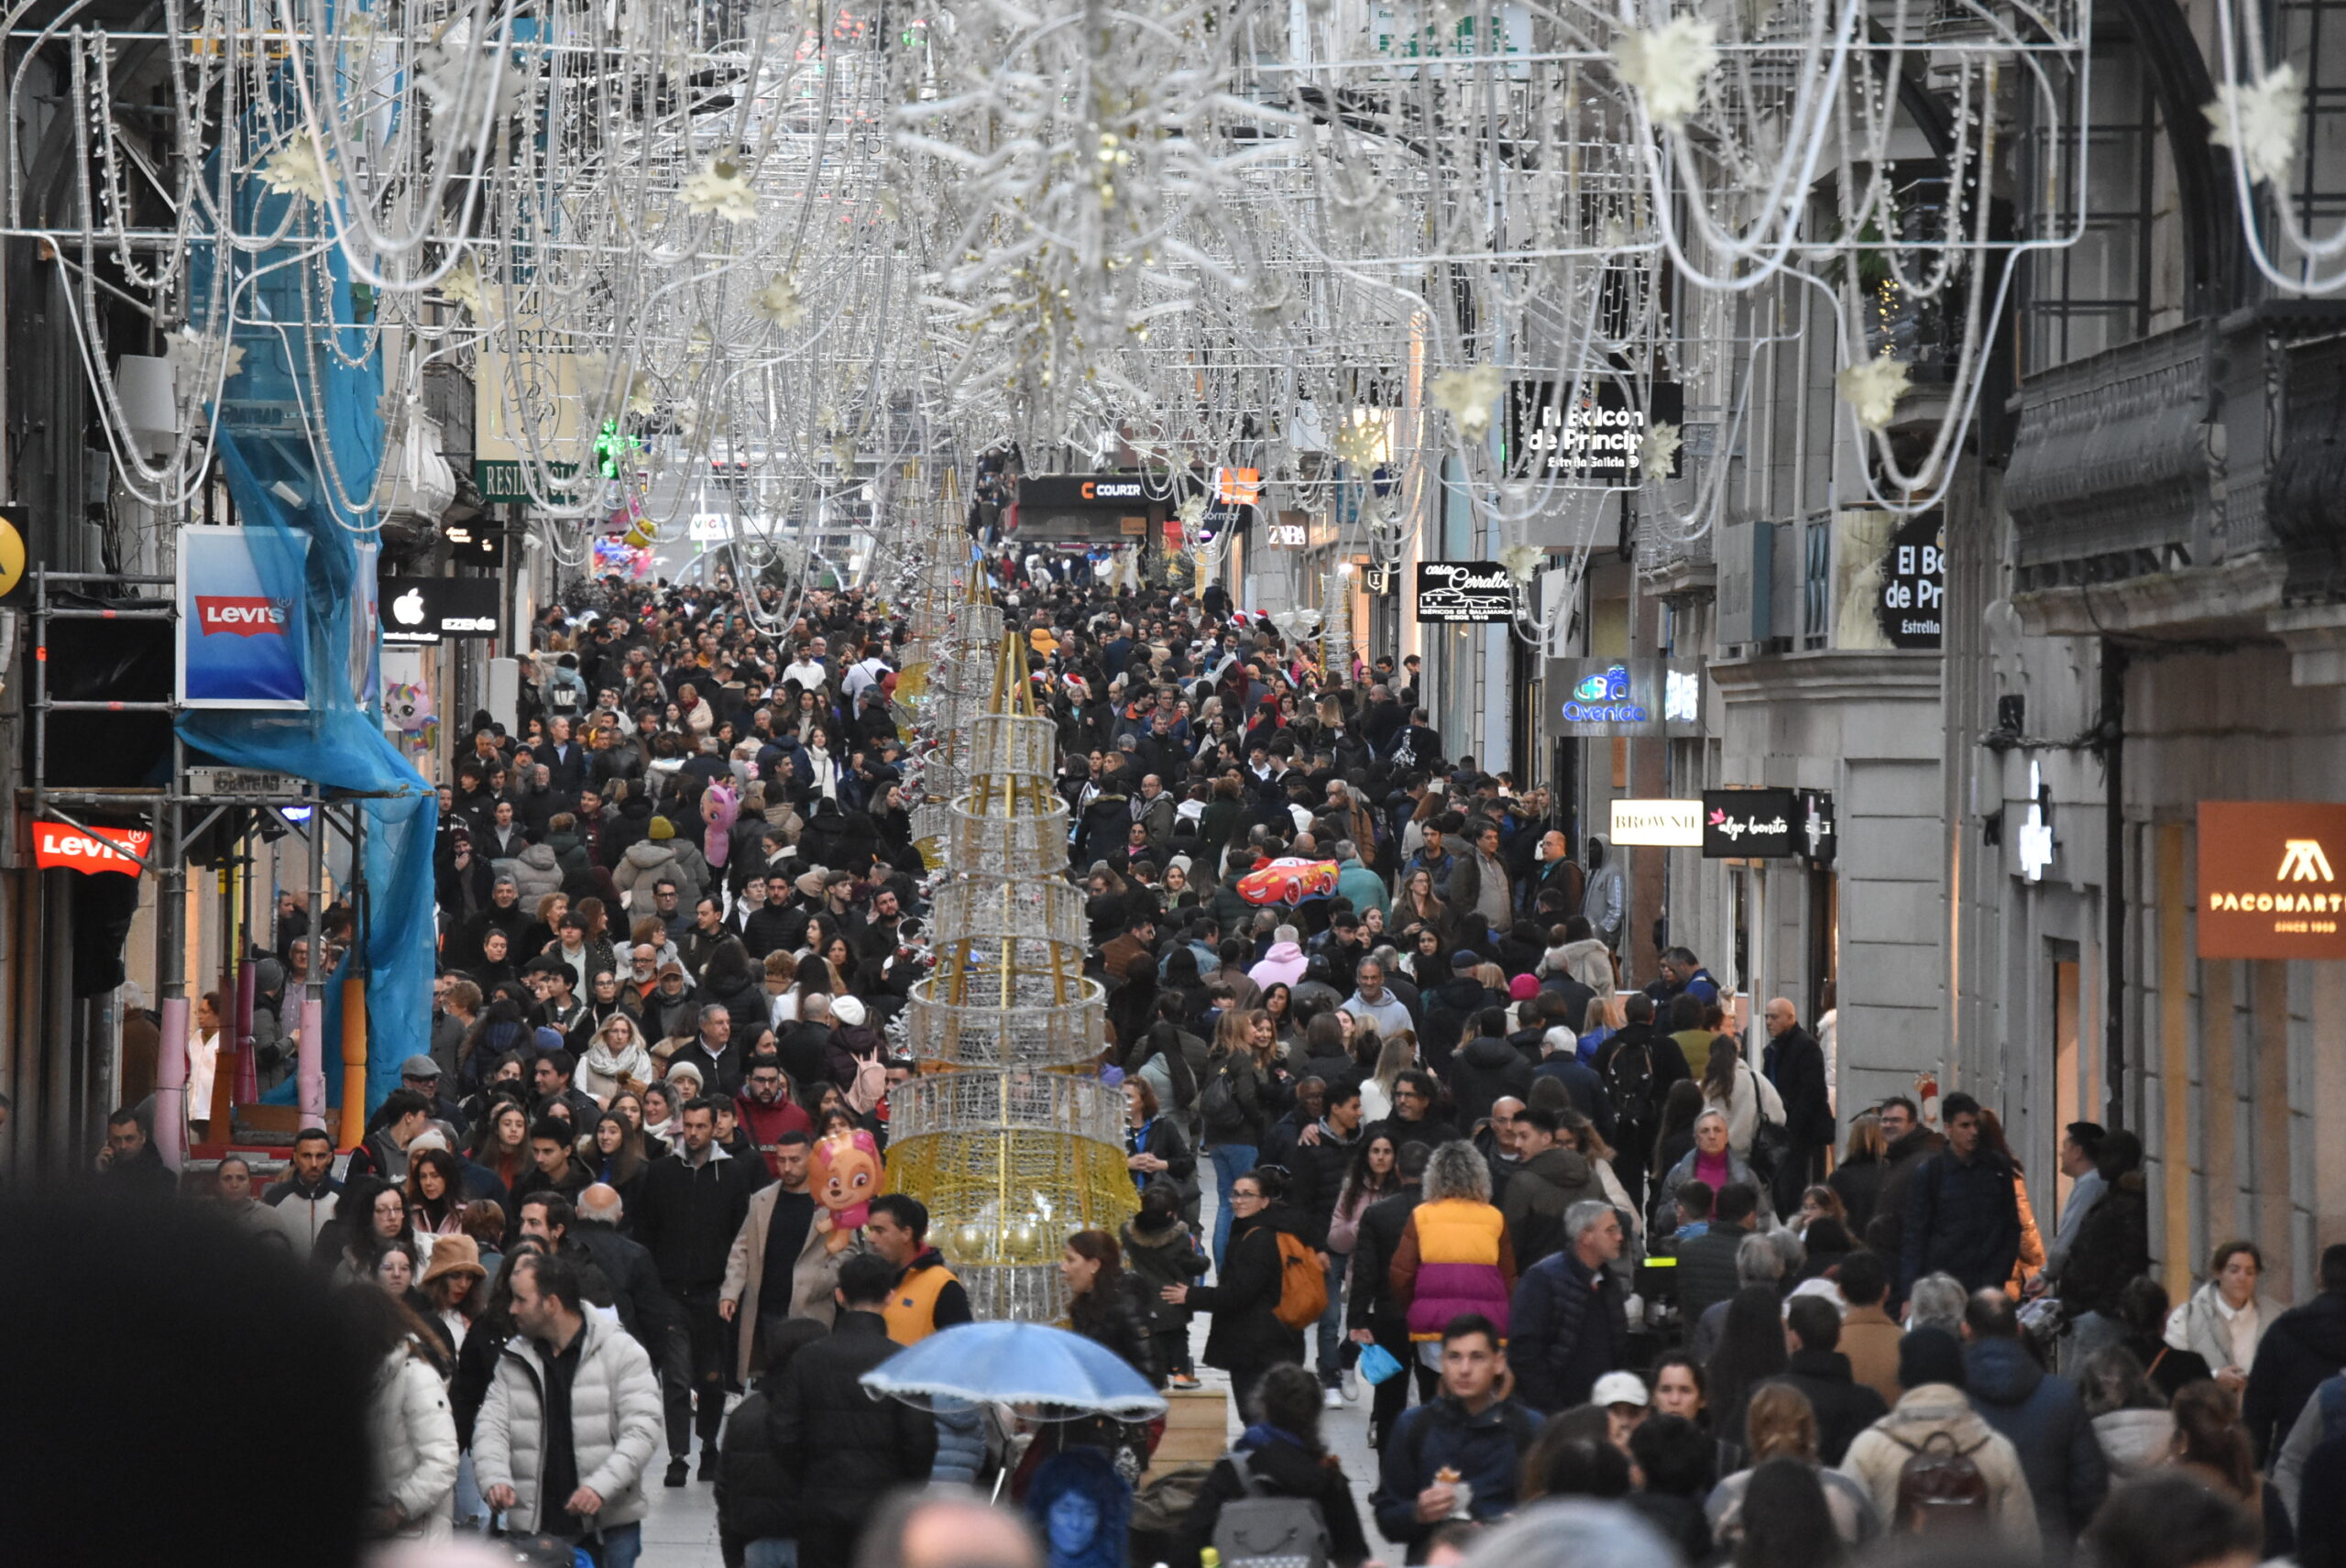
(2269, 880)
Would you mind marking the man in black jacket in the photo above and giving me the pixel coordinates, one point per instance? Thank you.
(1371, 1315)
(645, 1307)
(1962, 1217)
(1705, 1273)
(1794, 1063)
(2303, 1346)
(841, 1450)
(693, 1204)
(1315, 1169)
(1844, 1406)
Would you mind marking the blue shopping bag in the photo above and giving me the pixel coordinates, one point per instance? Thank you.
(1377, 1364)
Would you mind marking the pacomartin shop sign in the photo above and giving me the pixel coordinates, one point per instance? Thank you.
(2269, 879)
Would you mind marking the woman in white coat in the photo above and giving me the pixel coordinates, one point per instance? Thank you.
(413, 1490)
(1730, 1086)
(2226, 1317)
(615, 1059)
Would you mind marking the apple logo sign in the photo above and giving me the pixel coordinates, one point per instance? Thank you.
(408, 609)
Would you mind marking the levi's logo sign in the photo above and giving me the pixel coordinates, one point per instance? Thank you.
(63, 846)
(240, 615)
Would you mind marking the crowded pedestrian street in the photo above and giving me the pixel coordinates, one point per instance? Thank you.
(1173, 784)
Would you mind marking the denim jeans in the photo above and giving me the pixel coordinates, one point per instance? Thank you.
(1331, 1341)
(621, 1545)
(1230, 1161)
(773, 1552)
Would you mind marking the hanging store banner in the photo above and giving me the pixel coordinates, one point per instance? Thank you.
(1600, 698)
(1105, 492)
(1666, 824)
(1750, 824)
(2269, 882)
(1820, 829)
(1599, 435)
(1465, 593)
(419, 611)
(239, 647)
(61, 846)
(1914, 584)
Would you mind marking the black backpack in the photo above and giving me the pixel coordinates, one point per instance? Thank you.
(1629, 1080)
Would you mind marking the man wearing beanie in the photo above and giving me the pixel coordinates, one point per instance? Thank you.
(1934, 1415)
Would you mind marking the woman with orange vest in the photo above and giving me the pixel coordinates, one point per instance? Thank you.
(1455, 1255)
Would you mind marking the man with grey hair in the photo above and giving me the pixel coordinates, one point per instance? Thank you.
(1566, 1324)
(1936, 1303)
(711, 1051)
(1757, 1262)
(1371, 1000)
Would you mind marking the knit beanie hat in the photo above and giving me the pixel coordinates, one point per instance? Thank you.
(662, 828)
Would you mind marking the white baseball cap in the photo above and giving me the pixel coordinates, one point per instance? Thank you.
(1618, 1388)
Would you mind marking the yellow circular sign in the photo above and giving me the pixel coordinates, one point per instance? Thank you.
(12, 556)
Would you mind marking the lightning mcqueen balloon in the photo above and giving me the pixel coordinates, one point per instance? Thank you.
(1289, 882)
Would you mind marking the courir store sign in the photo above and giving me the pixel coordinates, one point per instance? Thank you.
(2269, 879)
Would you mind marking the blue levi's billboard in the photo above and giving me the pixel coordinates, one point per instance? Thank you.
(239, 645)
(1597, 697)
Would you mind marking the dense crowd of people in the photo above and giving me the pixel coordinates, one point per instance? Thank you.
(1617, 1242)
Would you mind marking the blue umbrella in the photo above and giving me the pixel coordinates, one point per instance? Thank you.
(1017, 1363)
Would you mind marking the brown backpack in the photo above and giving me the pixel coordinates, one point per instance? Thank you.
(1940, 1488)
(1303, 1284)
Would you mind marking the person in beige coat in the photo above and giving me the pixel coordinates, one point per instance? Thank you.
(812, 1278)
(1930, 1369)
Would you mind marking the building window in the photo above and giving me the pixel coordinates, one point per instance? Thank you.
(2094, 293)
(2312, 36)
(1815, 579)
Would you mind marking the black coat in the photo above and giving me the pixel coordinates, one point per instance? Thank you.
(689, 1217)
(2113, 1246)
(1705, 1272)
(1278, 1468)
(1118, 1318)
(1370, 1294)
(1962, 1220)
(1247, 1334)
(1844, 1406)
(1859, 1184)
(1317, 1175)
(645, 1307)
(756, 1500)
(1486, 1069)
(2304, 1345)
(842, 1450)
(1794, 1063)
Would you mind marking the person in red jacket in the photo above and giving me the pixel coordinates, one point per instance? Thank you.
(767, 1110)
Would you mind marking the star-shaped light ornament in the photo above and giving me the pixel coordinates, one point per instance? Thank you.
(779, 303)
(462, 285)
(1467, 396)
(1658, 450)
(1523, 561)
(2261, 119)
(1357, 441)
(198, 363)
(294, 170)
(1192, 512)
(1873, 389)
(722, 188)
(1668, 65)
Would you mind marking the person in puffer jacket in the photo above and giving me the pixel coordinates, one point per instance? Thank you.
(615, 1418)
(414, 1432)
(1455, 1255)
